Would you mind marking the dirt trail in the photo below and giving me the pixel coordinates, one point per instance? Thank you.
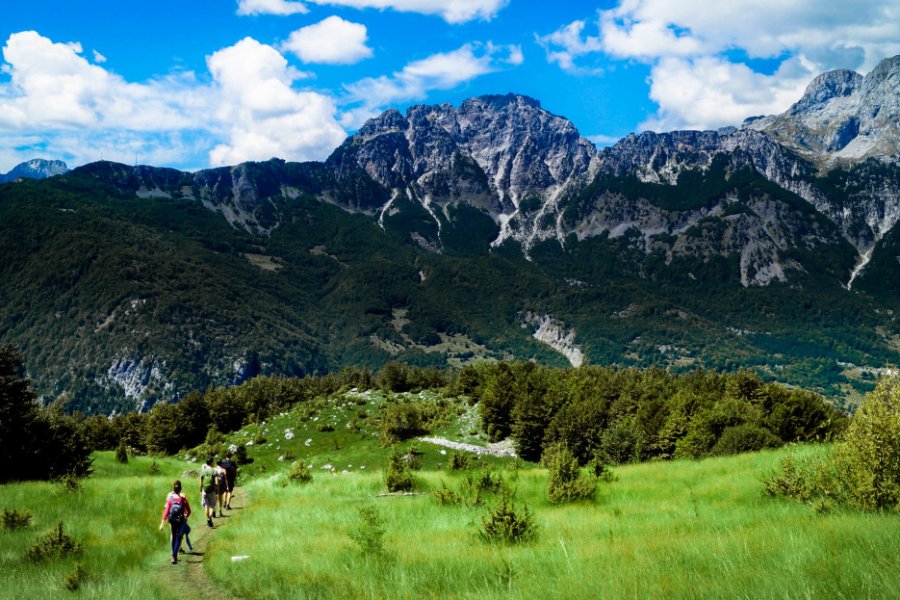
(190, 579)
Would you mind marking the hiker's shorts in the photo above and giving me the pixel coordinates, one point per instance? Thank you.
(208, 500)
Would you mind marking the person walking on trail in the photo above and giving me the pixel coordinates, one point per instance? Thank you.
(208, 489)
(176, 513)
(230, 477)
(185, 529)
(221, 477)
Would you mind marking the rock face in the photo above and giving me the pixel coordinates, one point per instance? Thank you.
(498, 154)
(505, 166)
(37, 168)
(843, 117)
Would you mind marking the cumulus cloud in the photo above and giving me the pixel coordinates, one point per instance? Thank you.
(331, 41)
(270, 7)
(264, 115)
(690, 45)
(566, 44)
(52, 85)
(711, 92)
(57, 103)
(437, 72)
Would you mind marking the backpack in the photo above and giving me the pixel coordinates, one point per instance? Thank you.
(176, 511)
(230, 468)
(210, 478)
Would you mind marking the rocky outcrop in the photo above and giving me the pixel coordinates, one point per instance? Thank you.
(38, 168)
(494, 153)
(843, 117)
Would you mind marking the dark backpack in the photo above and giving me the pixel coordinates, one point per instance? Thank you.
(176, 511)
(230, 467)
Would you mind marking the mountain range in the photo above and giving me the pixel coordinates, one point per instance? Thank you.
(491, 230)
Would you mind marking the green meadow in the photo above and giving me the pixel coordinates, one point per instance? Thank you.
(680, 529)
(663, 530)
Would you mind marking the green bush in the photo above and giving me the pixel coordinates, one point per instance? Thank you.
(401, 421)
(55, 544)
(567, 483)
(599, 469)
(867, 461)
(397, 475)
(122, 453)
(459, 461)
(369, 532)
(15, 519)
(153, 469)
(446, 496)
(791, 481)
(299, 472)
(508, 525)
(74, 580)
(69, 483)
(745, 438)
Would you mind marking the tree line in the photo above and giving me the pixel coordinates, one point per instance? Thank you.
(626, 415)
(616, 415)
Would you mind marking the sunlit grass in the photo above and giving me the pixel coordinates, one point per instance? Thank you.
(115, 515)
(676, 530)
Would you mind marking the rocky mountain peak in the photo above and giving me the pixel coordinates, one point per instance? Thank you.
(843, 117)
(827, 86)
(36, 168)
(389, 120)
(489, 153)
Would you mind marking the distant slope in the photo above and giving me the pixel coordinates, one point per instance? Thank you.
(37, 168)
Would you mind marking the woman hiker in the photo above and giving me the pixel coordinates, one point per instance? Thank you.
(176, 513)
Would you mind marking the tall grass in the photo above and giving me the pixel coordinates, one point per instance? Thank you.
(675, 530)
(115, 515)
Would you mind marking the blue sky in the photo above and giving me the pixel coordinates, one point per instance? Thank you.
(215, 82)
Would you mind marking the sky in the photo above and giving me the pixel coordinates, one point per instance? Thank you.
(204, 83)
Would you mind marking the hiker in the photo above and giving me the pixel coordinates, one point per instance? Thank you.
(221, 478)
(176, 513)
(185, 528)
(208, 489)
(230, 477)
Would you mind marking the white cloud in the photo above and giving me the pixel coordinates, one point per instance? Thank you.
(691, 44)
(452, 11)
(331, 41)
(711, 92)
(437, 72)
(53, 86)
(263, 115)
(270, 7)
(99, 58)
(58, 104)
(566, 44)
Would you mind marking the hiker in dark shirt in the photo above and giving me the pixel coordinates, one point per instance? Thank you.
(230, 477)
(176, 513)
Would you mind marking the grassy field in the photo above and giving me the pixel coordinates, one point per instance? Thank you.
(682, 529)
(115, 515)
(665, 530)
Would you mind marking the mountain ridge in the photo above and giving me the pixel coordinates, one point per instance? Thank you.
(445, 234)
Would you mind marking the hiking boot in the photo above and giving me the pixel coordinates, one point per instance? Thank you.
(174, 560)
(209, 522)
